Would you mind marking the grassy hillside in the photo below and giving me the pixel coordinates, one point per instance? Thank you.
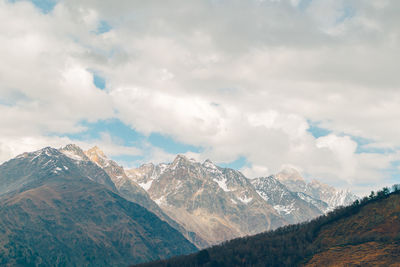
(366, 233)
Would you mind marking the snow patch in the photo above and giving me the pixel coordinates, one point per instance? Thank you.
(222, 184)
(284, 209)
(233, 201)
(72, 155)
(211, 167)
(146, 186)
(263, 195)
(160, 201)
(245, 199)
(56, 170)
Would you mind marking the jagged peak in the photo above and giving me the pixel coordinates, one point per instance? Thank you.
(71, 147)
(48, 151)
(265, 179)
(180, 158)
(73, 151)
(147, 165)
(208, 161)
(96, 155)
(289, 174)
(209, 164)
(96, 151)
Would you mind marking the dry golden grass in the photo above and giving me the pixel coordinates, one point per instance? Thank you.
(367, 254)
(341, 239)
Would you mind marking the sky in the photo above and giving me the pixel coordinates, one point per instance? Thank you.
(255, 85)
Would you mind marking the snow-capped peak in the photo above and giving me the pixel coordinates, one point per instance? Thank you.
(74, 152)
(209, 164)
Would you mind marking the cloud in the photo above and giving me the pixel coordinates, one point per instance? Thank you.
(236, 78)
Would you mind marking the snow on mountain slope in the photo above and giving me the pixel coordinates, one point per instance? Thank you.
(288, 204)
(135, 192)
(216, 203)
(292, 179)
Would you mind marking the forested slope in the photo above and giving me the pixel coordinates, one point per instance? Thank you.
(365, 233)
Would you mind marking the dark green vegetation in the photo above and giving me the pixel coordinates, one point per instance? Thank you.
(365, 233)
(55, 211)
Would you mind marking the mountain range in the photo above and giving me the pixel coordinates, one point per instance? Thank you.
(221, 203)
(72, 207)
(366, 233)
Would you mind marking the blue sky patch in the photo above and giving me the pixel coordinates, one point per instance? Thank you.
(363, 148)
(45, 6)
(126, 136)
(170, 145)
(103, 27)
(99, 81)
(317, 131)
(118, 130)
(236, 164)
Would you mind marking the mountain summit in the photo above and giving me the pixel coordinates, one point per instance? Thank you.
(216, 203)
(221, 203)
(60, 208)
(292, 179)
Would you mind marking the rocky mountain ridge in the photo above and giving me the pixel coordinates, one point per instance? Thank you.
(59, 210)
(128, 188)
(204, 202)
(293, 180)
(221, 203)
(218, 204)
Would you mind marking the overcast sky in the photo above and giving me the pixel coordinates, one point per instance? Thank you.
(256, 85)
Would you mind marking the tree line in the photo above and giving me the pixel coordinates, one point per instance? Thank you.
(289, 245)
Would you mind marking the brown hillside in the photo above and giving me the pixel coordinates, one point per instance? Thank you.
(376, 221)
(379, 219)
(367, 254)
(366, 233)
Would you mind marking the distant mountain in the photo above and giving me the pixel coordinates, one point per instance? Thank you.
(60, 193)
(290, 205)
(58, 208)
(366, 233)
(220, 203)
(292, 179)
(130, 190)
(216, 203)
